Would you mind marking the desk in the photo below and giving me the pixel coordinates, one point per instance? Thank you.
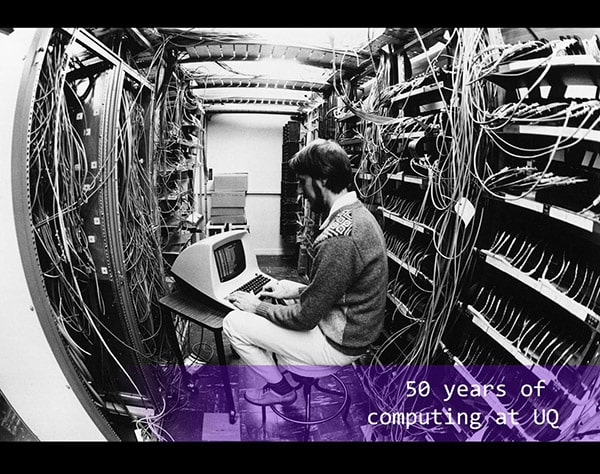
(210, 317)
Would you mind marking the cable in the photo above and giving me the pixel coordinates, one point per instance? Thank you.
(61, 186)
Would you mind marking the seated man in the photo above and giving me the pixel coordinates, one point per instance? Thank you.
(341, 311)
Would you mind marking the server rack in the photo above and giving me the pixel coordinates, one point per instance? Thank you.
(82, 154)
(492, 322)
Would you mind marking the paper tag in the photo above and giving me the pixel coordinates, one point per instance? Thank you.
(465, 210)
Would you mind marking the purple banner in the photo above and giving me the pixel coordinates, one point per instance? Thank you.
(403, 403)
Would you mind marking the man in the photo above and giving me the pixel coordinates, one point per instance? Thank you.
(334, 318)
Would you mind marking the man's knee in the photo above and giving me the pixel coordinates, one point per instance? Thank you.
(233, 322)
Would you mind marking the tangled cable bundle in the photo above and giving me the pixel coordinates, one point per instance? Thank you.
(64, 182)
(467, 128)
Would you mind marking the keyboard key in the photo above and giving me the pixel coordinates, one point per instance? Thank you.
(255, 285)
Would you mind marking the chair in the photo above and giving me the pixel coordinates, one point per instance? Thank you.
(308, 385)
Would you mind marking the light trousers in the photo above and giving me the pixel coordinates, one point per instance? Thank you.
(306, 353)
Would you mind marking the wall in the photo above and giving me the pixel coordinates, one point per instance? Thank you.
(252, 143)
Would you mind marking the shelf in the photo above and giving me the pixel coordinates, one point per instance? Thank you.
(432, 107)
(540, 372)
(422, 228)
(362, 174)
(567, 61)
(562, 71)
(554, 212)
(351, 141)
(407, 178)
(410, 135)
(545, 288)
(401, 306)
(491, 399)
(421, 91)
(412, 270)
(554, 131)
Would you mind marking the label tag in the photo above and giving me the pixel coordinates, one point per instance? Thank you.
(465, 210)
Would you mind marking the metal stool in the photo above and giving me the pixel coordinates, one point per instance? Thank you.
(307, 384)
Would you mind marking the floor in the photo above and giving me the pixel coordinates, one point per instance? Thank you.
(204, 416)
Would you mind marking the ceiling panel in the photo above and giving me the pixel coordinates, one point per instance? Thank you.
(211, 51)
(288, 63)
(258, 82)
(253, 50)
(222, 92)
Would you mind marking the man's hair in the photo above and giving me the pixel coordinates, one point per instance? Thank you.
(326, 160)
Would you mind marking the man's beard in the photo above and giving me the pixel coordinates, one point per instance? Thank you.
(318, 205)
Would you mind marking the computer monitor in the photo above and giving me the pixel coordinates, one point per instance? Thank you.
(218, 265)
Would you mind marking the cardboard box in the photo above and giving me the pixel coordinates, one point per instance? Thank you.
(225, 182)
(226, 211)
(229, 199)
(237, 219)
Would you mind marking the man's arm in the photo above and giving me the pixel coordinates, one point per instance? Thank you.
(334, 269)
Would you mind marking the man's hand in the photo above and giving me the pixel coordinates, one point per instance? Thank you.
(244, 301)
(282, 290)
(275, 290)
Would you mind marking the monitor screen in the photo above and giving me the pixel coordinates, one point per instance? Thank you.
(230, 260)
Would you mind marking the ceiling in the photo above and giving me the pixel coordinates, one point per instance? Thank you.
(272, 70)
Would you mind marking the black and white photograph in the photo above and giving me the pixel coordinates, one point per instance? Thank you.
(356, 235)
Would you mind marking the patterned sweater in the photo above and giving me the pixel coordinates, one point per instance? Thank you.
(347, 286)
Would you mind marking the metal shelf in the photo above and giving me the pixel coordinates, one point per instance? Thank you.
(407, 178)
(567, 61)
(567, 133)
(491, 399)
(419, 92)
(351, 141)
(422, 228)
(412, 270)
(545, 288)
(402, 308)
(410, 135)
(539, 371)
(554, 212)
(562, 69)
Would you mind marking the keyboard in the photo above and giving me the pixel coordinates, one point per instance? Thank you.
(255, 285)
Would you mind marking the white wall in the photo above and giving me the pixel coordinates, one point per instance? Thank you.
(252, 143)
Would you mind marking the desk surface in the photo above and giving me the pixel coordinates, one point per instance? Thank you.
(196, 310)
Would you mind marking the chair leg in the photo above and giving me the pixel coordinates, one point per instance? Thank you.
(346, 410)
(327, 390)
(264, 422)
(307, 389)
(347, 403)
